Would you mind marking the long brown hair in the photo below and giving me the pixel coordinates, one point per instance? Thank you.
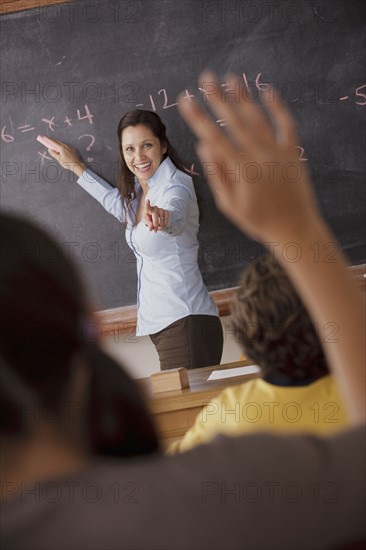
(157, 127)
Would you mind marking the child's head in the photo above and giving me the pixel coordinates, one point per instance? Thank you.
(43, 341)
(273, 326)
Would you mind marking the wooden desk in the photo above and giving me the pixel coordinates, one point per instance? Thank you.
(175, 411)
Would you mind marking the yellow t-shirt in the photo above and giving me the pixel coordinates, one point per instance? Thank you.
(257, 405)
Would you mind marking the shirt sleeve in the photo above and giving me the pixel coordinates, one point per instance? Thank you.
(109, 197)
(176, 201)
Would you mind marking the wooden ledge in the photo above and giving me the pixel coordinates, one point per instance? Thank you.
(122, 320)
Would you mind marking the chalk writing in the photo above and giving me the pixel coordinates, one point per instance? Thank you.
(6, 137)
(359, 94)
(89, 159)
(52, 127)
(88, 115)
(25, 128)
(327, 94)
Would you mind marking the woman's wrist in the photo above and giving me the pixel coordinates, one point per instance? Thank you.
(78, 169)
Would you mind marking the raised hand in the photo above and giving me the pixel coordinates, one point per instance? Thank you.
(260, 184)
(254, 172)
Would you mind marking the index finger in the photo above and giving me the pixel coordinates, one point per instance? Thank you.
(59, 142)
(281, 118)
(148, 206)
(49, 143)
(155, 218)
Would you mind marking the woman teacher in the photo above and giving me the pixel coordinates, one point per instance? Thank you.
(157, 203)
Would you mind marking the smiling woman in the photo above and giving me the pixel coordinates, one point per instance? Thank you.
(157, 203)
(141, 155)
(143, 146)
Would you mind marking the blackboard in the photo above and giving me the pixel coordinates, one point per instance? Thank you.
(72, 70)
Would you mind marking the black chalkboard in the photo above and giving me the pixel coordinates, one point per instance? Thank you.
(72, 70)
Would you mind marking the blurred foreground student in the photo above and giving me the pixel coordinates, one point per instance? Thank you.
(296, 392)
(256, 491)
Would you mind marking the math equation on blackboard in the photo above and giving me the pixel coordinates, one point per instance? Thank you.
(159, 100)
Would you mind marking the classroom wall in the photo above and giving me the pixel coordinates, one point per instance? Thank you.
(140, 358)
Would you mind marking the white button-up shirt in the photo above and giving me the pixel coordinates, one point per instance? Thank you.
(170, 284)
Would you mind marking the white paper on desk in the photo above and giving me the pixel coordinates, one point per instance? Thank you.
(229, 373)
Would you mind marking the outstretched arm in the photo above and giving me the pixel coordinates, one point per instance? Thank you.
(258, 182)
(109, 197)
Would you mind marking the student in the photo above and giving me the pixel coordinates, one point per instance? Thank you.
(157, 204)
(296, 392)
(256, 491)
(45, 338)
(274, 209)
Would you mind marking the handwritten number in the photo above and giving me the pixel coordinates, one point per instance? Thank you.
(358, 94)
(166, 106)
(259, 85)
(88, 115)
(6, 137)
(152, 103)
(301, 157)
(246, 82)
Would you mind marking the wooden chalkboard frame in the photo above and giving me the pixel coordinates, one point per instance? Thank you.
(10, 6)
(122, 320)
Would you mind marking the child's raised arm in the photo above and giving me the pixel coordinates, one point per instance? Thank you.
(259, 183)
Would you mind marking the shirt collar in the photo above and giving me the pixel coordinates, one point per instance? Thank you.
(164, 172)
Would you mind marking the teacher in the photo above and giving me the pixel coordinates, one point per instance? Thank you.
(157, 203)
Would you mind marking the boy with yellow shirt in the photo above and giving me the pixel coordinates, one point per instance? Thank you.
(296, 393)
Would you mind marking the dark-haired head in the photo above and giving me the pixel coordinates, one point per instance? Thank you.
(273, 326)
(153, 122)
(43, 340)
